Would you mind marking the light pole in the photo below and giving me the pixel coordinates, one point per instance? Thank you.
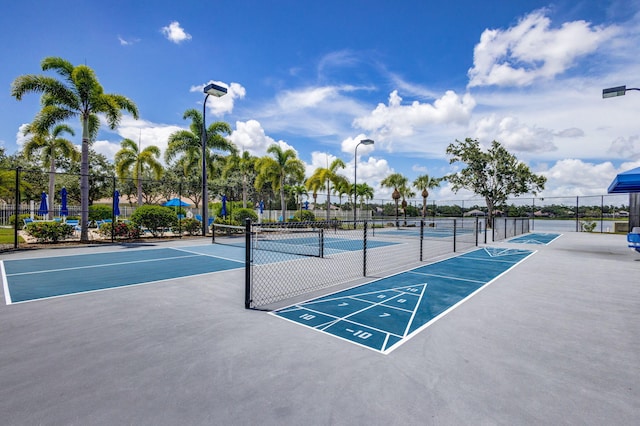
(634, 197)
(355, 174)
(217, 91)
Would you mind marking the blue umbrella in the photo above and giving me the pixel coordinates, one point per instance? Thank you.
(223, 211)
(43, 210)
(64, 211)
(261, 207)
(176, 202)
(116, 203)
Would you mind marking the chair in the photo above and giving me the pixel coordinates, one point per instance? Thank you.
(27, 221)
(211, 219)
(181, 216)
(199, 217)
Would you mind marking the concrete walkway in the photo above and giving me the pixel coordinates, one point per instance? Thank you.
(554, 341)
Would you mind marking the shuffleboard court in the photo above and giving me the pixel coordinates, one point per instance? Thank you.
(535, 238)
(383, 314)
(39, 278)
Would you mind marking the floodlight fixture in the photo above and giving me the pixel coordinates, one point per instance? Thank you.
(612, 92)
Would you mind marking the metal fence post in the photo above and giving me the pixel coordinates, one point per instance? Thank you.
(421, 236)
(364, 250)
(454, 234)
(16, 208)
(247, 263)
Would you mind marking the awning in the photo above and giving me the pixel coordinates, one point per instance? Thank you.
(625, 182)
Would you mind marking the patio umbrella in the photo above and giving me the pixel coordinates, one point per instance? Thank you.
(176, 202)
(43, 210)
(116, 203)
(261, 207)
(624, 182)
(64, 211)
(223, 211)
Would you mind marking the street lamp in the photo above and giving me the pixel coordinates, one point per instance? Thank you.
(634, 197)
(355, 173)
(612, 92)
(217, 91)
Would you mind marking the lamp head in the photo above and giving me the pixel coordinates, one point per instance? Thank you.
(614, 91)
(215, 90)
(367, 142)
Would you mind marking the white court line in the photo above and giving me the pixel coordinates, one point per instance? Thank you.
(5, 284)
(445, 276)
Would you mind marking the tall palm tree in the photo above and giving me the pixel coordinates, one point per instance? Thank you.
(245, 164)
(78, 94)
(342, 186)
(275, 170)
(298, 191)
(185, 146)
(395, 181)
(314, 184)
(424, 183)
(405, 192)
(329, 175)
(363, 191)
(51, 145)
(131, 162)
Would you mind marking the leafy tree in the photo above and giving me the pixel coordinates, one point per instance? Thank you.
(78, 95)
(424, 183)
(315, 184)
(342, 186)
(50, 144)
(131, 162)
(396, 181)
(494, 174)
(101, 176)
(329, 175)
(364, 192)
(277, 169)
(243, 164)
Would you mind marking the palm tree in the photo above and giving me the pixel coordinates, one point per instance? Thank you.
(275, 170)
(314, 184)
(405, 192)
(424, 183)
(245, 164)
(185, 146)
(51, 146)
(78, 95)
(328, 175)
(131, 162)
(395, 181)
(342, 186)
(298, 191)
(363, 191)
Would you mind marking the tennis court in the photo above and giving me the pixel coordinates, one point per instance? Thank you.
(535, 238)
(383, 314)
(45, 277)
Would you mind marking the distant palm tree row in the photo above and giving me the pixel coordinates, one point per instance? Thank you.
(79, 94)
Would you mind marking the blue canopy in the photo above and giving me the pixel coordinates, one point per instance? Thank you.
(176, 202)
(625, 182)
(43, 210)
(64, 211)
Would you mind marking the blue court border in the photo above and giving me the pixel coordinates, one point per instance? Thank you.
(26, 280)
(385, 313)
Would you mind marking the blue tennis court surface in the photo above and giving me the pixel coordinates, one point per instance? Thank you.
(535, 238)
(383, 314)
(39, 278)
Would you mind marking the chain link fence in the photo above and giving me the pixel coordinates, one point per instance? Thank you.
(290, 260)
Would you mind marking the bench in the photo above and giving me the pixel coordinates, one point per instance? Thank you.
(633, 238)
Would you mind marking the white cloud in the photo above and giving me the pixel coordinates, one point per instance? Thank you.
(513, 135)
(626, 147)
(395, 121)
(250, 136)
(20, 136)
(175, 33)
(532, 50)
(224, 104)
(575, 177)
(124, 42)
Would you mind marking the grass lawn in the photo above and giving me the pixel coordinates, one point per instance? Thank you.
(6, 236)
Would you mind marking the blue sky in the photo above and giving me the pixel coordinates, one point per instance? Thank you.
(320, 76)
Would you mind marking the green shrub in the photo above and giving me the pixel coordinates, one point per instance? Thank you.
(49, 231)
(100, 212)
(121, 230)
(304, 216)
(240, 215)
(21, 217)
(154, 218)
(189, 225)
